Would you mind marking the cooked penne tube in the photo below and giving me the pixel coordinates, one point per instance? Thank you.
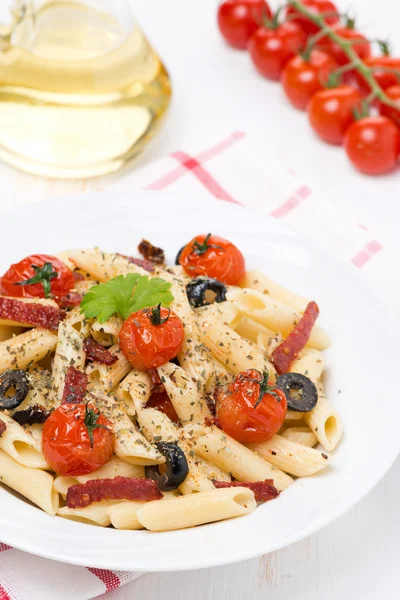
(274, 315)
(232, 457)
(103, 266)
(82, 287)
(26, 348)
(213, 472)
(157, 427)
(250, 329)
(78, 321)
(21, 445)
(95, 514)
(129, 443)
(189, 405)
(229, 348)
(301, 435)
(107, 333)
(258, 281)
(196, 509)
(310, 363)
(69, 353)
(34, 484)
(41, 391)
(325, 421)
(294, 415)
(124, 515)
(291, 456)
(134, 388)
(108, 377)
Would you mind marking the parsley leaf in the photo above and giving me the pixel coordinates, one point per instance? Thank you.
(125, 295)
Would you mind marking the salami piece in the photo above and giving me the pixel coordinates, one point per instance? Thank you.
(95, 352)
(70, 300)
(75, 386)
(3, 427)
(32, 313)
(119, 488)
(263, 490)
(147, 265)
(157, 386)
(289, 349)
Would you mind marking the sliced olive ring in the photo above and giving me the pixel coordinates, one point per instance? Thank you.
(18, 380)
(177, 468)
(179, 255)
(197, 288)
(301, 394)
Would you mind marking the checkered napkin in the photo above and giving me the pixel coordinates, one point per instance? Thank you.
(233, 170)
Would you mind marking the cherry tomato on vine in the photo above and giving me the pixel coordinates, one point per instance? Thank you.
(38, 275)
(302, 78)
(239, 19)
(373, 145)
(330, 112)
(151, 337)
(360, 45)
(77, 439)
(161, 401)
(213, 257)
(251, 409)
(318, 7)
(271, 48)
(393, 93)
(383, 77)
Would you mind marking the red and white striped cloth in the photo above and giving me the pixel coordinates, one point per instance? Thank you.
(234, 170)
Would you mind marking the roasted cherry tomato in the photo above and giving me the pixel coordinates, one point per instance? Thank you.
(251, 409)
(301, 78)
(47, 274)
(77, 439)
(394, 114)
(238, 20)
(373, 145)
(318, 7)
(151, 337)
(161, 401)
(330, 112)
(360, 45)
(382, 76)
(214, 257)
(271, 48)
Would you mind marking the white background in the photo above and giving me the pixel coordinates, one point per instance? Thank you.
(216, 91)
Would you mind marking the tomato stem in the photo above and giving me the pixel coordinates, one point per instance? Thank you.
(265, 388)
(91, 424)
(347, 47)
(155, 315)
(43, 275)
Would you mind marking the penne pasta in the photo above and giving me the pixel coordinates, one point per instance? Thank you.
(291, 457)
(108, 377)
(310, 363)
(103, 266)
(134, 389)
(27, 348)
(34, 484)
(21, 445)
(69, 353)
(189, 405)
(301, 435)
(258, 281)
(325, 422)
(107, 333)
(189, 511)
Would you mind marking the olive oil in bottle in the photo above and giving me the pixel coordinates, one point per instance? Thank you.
(81, 90)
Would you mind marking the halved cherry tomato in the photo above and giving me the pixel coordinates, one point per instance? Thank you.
(151, 337)
(270, 49)
(77, 439)
(301, 78)
(318, 7)
(239, 19)
(330, 112)
(385, 78)
(162, 402)
(251, 409)
(56, 278)
(214, 257)
(373, 145)
(360, 45)
(392, 113)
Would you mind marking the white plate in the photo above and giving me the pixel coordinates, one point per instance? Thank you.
(360, 366)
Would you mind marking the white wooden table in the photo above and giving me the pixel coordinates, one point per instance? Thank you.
(217, 91)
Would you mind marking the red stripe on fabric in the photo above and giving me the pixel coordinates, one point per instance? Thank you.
(4, 547)
(365, 255)
(204, 176)
(109, 578)
(3, 594)
(362, 226)
(178, 172)
(291, 203)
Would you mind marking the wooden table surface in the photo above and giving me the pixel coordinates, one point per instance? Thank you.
(357, 556)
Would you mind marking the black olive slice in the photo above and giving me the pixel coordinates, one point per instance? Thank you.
(177, 468)
(301, 394)
(13, 379)
(197, 289)
(179, 255)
